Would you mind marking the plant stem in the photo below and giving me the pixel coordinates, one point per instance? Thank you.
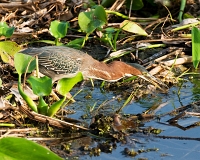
(28, 100)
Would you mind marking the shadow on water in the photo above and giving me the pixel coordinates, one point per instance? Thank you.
(179, 138)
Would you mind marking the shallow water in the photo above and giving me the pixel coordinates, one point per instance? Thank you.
(168, 149)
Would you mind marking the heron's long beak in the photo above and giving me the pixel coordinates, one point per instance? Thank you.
(148, 77)
(153, 80)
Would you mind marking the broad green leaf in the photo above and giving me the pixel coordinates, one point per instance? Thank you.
(5, 30)
(76, 43)
(13, 148)
(110, 30)
(55, 107)
(66, 84)
(132, 27)
(4, 56)
(100, 14)
(136, 5)
(58, 29)
(195, 46)
(21, 63)
(41, 86)
(96, 23)
(89, 21)
(42, 106)
(7, 49)
(84, 20)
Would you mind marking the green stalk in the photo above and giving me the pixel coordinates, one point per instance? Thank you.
(56, 41)
(28, 100)
(115, 38)
(117, 13)
(182, 7)
(7, 125)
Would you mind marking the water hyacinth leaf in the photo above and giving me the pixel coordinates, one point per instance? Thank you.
(100, 14)
(22, 61)
(89, 21)
(96, 23)
(133, 28)
(58, 29)
(41, 86)
(195, 46)
(4, 56)
(110, 30)
(84, 20)
(55, 107)
(42, 106)
(5, 30)
(76, 43)
(66, 84)
(13, 148)
(8, 49)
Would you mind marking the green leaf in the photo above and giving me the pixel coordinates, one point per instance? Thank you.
(41, 86)
(195, 46)
(76, 43)
(13, 148)
(84, 20)
(21, 63)
(42, 106)
(5, 30)
(110, 30)
(7, 49)
(89, 21)
(66, 84)
(96, 23)
(4, 56)
(55, 107)
(100, 14)
(58, 29)
(132, 27)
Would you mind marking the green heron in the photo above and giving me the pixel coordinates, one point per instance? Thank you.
(63, 62)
